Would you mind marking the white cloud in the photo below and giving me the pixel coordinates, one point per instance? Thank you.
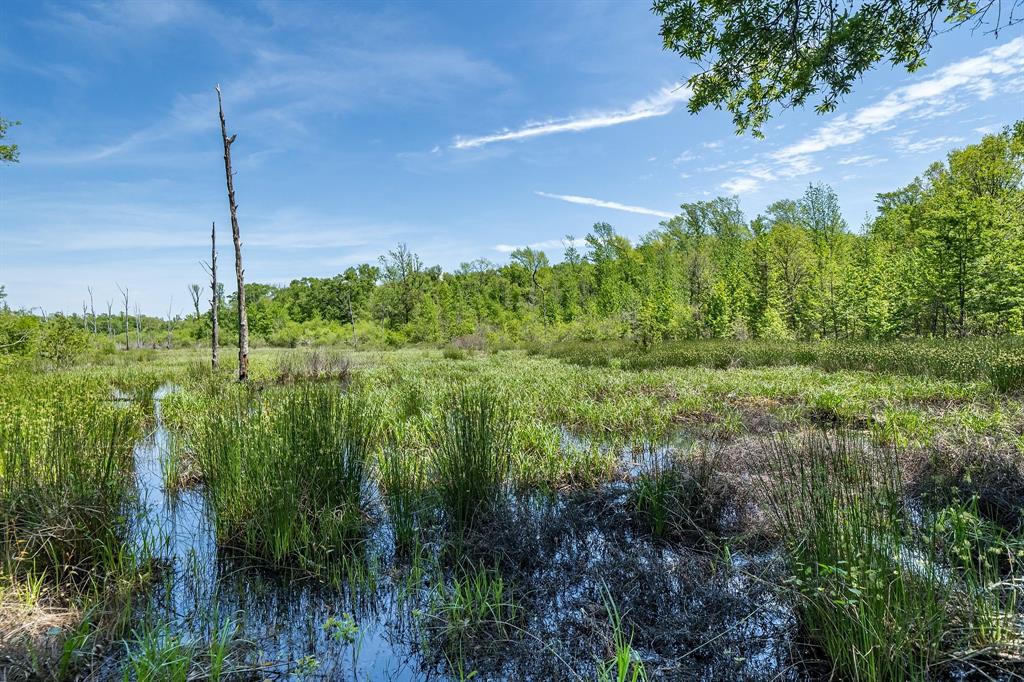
(688, 155)
(588, 201)
(861, 160)
(930, 96)
(661, 103)
(712, 145)
(947, 91)
(740, 185)
(540, 246)
(903, 143)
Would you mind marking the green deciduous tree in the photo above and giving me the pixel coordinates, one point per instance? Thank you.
(757, 55)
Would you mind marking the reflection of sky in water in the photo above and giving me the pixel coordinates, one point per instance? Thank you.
(283, 616)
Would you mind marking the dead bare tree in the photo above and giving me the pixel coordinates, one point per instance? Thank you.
(85, 316)
(110, 317)
(170, 324)
(211, 268)
(138, 327)
(196, 292)
(243, 318)
(92, 309)
(124, 294)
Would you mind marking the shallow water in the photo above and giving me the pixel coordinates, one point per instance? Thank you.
(565, 552)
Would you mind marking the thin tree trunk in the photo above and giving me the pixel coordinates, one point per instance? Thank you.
(138, 327)
(351, 315)
(92, 309)
(243, 318)
(124, 293)
(214, 300)
(170, 324)
(110, 317)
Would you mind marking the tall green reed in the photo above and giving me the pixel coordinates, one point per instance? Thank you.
(873, 589)
(66, 484)
(287, 471)
(473, 453)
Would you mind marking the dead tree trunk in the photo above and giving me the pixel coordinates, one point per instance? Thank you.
(170, 324)
(351, 315)
(196, 292)
(110, 317)
(138, 327)
(124, 294)
(243, 318)
(92, 309)
(214, 299)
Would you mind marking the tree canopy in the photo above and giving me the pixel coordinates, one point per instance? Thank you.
(760, 54)
(8, 152)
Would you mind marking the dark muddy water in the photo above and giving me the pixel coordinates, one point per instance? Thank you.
(696, 614)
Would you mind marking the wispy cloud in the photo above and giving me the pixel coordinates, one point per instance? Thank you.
(687, 155)
(614, 205)
(904, 143)
(659, 104)
(740, 185)
(861, 160)
(980, 77)
(541, 246)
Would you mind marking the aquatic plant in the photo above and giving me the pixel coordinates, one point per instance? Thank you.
(682, 493)
(287, 470)
(65, 482)
(476, 603)
(873, 593)
(625, 664)
(472, 453)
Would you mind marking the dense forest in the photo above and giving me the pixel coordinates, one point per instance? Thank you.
(942, 257)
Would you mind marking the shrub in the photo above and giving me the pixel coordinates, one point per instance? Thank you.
(61, 341)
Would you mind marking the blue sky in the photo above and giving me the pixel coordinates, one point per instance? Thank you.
(462, 129)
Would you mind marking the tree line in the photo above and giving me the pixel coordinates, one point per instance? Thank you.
(941, 257)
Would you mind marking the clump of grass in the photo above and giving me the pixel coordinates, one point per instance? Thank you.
(625, 664)
(839, 510)
(472, 453)
(402, 475)
(158, 655)
(454, 353)
(287, 471)
(475, 605)
(992, 481)
(65, 486)
(316, 364)
(872, 591)
(682, 494)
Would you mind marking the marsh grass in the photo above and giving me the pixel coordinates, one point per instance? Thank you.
(625, 664)
(472, 453)
(402, 476)
(682, 494)
(66, 490)
(315, 364)
(287, 471)
(840, 511)
(873, 591)
(475, 605)
(1000, 362)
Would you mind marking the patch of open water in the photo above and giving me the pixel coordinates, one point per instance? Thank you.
(721, 618)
